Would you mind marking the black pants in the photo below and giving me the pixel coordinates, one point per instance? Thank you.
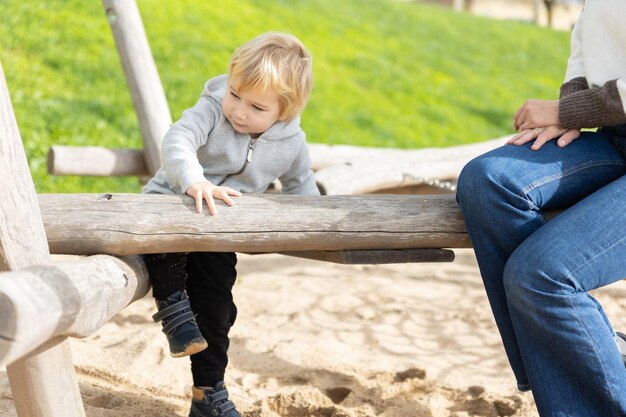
(208, 278)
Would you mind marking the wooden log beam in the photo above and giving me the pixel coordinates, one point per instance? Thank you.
(142, 76)
(41, 303)
(44, 384)
(364, 177)
(324, 156)
(96, 161)
(129, 224)
(368, 172)
(99, 161)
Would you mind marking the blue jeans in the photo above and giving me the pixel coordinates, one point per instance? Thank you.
(537, 273)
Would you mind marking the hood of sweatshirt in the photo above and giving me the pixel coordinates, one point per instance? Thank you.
(215, 89)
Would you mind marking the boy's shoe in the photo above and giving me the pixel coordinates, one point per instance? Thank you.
(179, 325)
(212, 402)
(620, 339)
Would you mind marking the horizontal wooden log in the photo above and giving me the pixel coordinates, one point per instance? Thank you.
(128, 224)
(364, 177)
(40, 303)
(324, 156)
(95, 161)
(394, 169)
(340, 169)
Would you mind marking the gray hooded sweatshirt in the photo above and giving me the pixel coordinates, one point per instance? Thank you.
(203, 145)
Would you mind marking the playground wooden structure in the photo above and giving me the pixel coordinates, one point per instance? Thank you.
(42, 304)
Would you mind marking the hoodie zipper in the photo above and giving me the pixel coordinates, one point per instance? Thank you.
(245, 163)
(249, 155)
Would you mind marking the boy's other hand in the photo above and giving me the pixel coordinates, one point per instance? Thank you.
(206, 191)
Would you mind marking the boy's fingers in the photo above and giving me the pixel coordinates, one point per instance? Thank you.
(230, 191)
(198, 198)
(227, 199)
(210, 203)
(223, 195)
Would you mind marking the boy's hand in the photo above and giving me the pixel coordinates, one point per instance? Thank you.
(207, 191)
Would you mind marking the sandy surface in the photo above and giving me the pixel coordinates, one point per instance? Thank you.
(318, 339)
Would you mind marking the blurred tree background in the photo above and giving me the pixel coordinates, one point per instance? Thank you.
(387, 73)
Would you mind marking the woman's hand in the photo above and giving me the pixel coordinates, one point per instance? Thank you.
(537, 113)
(206, 191)
(541, 135)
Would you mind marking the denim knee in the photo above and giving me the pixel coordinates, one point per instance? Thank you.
(481, 180)
(533, 274)
(472, 174)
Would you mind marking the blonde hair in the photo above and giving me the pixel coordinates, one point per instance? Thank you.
(276, 61)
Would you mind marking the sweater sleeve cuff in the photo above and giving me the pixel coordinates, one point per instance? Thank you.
(595, 107)
(572, 86)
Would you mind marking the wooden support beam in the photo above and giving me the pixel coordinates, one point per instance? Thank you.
(44, 384)
(142, 76)
(44, 302)
(129, 224)
(377, 257)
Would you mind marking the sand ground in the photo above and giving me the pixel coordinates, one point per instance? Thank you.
(319, 339)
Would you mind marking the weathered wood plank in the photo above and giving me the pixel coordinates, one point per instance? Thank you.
(128, 224)
(67, 299)
(142, 76)
(43, 384)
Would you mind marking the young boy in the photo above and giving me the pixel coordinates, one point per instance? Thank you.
(241, 135)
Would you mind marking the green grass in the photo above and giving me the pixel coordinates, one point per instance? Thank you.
(388, 74)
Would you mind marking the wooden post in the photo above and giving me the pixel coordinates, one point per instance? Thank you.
(141, 75)
(44, 384)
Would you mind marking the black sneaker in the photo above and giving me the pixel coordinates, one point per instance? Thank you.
(179, 325)
(214, 402)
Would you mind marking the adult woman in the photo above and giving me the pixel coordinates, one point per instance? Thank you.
(536, 272)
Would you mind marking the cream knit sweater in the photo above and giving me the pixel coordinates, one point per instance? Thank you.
(594, 91)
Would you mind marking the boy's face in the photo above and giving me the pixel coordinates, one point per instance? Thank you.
(251, 111)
